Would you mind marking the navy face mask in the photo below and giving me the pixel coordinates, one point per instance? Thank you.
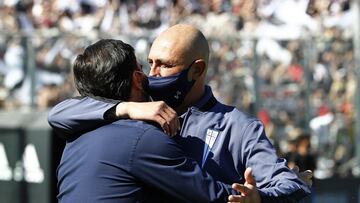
(172, 89)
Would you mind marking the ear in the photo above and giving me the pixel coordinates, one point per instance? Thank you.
(198, 69)
(136, 80)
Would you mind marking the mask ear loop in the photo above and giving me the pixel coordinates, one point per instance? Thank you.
(192, 63)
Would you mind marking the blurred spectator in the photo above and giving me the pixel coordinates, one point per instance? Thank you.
(292, 155)
(299, 153)
(306, 159)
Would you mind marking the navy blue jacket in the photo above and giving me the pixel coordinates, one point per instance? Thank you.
(222, 139)
(132, 161)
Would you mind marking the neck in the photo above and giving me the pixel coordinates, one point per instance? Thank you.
(196, 93)
(139, 98)
(138, 95)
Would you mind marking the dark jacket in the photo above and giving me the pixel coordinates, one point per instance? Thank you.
(132, 161)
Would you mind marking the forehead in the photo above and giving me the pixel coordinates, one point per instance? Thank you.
(166, 50)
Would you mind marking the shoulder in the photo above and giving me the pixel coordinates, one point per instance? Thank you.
(145, 139)
(134, 126)
(145, 131)
(71, 101)
(123, 137)
(155, 141)
(122, 131)
(62, 105)
(80, 103)
(242, 126)
(233, 115)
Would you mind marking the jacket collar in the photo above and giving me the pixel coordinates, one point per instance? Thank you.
(208, 94)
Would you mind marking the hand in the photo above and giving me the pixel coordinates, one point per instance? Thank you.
(305, 176)
(248, 190)
(158, 112)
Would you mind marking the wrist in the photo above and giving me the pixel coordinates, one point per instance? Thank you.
(122, 110)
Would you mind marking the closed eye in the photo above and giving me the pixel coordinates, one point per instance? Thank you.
(150, 62)
(166, 66)
(160, 63)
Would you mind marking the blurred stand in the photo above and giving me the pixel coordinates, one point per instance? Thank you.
(293, 63)
(356, 7)
(290, 61)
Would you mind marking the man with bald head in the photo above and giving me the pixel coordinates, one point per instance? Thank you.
(180, 51)
(227, 143)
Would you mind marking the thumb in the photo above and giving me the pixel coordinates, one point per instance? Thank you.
(296, 169)
(249, 178)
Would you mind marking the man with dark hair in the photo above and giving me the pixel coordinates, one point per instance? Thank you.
(105, 69)
(127, 161)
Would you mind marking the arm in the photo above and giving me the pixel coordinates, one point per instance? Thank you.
(75, 116)
(160, 163)
(78, 115)
(275, 181)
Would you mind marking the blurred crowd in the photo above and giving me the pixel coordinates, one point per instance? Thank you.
(288, 61)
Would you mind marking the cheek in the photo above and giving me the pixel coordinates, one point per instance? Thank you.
(169, 71)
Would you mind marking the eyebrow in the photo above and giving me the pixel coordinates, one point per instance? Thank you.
(162, 61)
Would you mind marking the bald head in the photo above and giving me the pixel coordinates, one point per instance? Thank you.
(186, 41)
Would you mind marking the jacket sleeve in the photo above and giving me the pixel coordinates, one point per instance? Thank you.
(275, 181)
(75, 116)
(160, 162)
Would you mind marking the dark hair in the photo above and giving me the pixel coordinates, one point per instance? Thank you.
(105, 70)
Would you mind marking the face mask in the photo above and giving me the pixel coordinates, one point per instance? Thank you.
(172, 89)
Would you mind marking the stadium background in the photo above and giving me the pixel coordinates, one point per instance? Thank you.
(292, 63)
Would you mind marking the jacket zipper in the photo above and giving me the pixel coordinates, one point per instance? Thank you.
(184, 121)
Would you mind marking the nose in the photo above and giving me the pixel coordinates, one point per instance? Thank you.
(154, 70)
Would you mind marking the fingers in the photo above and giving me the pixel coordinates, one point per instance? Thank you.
(308, 173)
(172, 119)
(241, 199)
(249, 178)
(177, 125)
(295, 169)
(309, 183)
(306, 176)
(237, 199)
(166, 122)
(158, 111)
(168, 115)
(163, 124)
(241, 188)
(249, 193)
